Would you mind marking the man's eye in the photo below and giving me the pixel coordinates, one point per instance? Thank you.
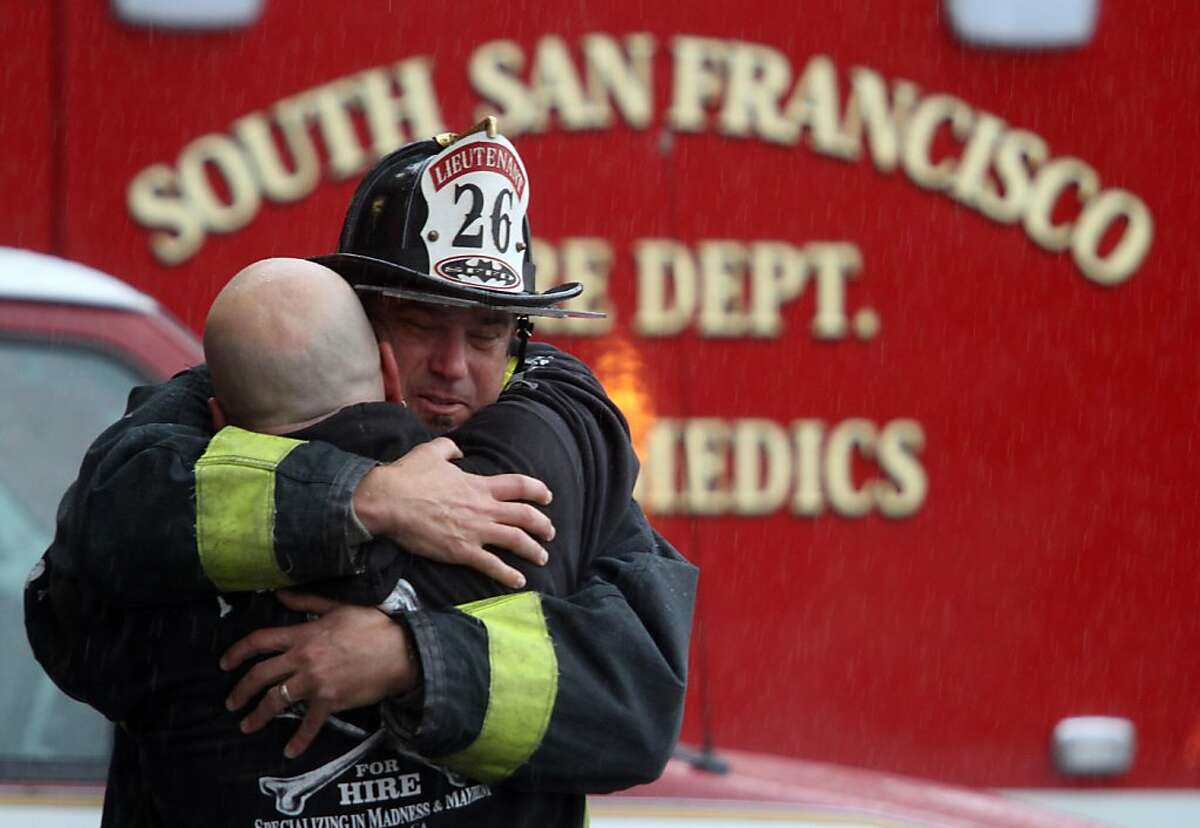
(484, 338)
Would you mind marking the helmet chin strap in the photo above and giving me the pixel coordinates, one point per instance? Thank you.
(524, 329)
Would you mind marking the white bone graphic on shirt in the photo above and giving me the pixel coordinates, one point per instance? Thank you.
(343, 726)
(292, 793)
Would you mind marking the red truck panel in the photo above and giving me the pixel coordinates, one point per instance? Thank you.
(1048, 568)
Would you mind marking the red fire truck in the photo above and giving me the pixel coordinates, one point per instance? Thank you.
(899, 308)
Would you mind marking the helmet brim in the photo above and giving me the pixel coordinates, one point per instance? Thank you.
(370, 274)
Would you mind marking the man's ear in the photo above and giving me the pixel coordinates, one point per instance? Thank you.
(217, 413)
(392, 389)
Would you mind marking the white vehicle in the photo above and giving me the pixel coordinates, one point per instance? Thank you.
(73, 341)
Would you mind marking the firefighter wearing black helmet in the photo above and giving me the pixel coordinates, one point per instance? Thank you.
(613, 701)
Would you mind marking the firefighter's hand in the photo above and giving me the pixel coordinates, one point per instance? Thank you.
(349, 657)
(434, 509)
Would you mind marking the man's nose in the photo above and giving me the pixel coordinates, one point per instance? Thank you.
(449, 356)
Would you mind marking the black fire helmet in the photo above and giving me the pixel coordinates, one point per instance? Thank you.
(443, 221)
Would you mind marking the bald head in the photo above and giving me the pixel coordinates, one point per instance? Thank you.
(288, 344)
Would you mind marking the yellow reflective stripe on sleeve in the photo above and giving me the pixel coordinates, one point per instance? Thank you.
(510, 368)
(235, 509)
(524, 684)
